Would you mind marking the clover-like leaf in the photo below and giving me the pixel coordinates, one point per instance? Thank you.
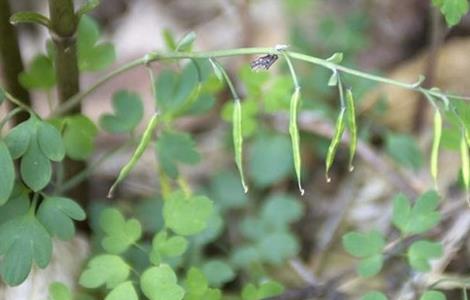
(92, 55)
(124, 291)
(17, 205)
(40, 75)
(196, 282)
(218, 272)
(186, 215)
(175, 147)
(120, 234)
(433, 295)
(270, 159)
(50, 141)
(35, 167)
(421, 252)
(128, 112)
(280, 210)
(160, 283)
(174, 89)
(363, 244)
(169, 246)
(7, 175)
(422, 217)
(59, 291)
(404, 150)
(269, 289)
(57, 215)
(24, 239)
(106, 269)
(79, 134)
(18, 139)
(370, 266)
(276, 247)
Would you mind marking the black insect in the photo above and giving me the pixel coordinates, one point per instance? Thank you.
(263, 63)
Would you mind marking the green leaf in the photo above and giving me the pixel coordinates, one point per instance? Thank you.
(280, 210)
(57, 215)
(270, 159)
(422, 217)
(35, 167)
(363, 244)
(40, 75)
(29, 17)
(18, 139)
(50, 142)
(120, 234)
(59, 291)
(420, 252)
(104, 269)
(124, 291)
(169, 246)
(160, 283)
(17, 205)
(186, 215)
(249, 292)
(173, 89)
(244, 256)
(196, 282)
(336, 58)
(92, 56)
(24, 239)
(128, 112)
(7, 177)
(276, 247)
(374, 296)
(269, 289)
(226, 190)
(169, 39)
(404, 150)
(174, 147)
(79, 135)
(87, 7)
(433, 295)
(186, 42)
(370, 266)
(218, 272)
(453, 10)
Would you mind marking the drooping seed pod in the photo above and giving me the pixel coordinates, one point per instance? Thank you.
(335, 141)
(435, 145)
(352, 127)
(144, 142)
(294, 135)
(238, 140)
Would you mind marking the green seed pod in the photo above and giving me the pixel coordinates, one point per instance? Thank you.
(465, 163)
(330, 156)
(144, 142)
(352, 127)
(238, 140)
(435, 145)
(294, 135)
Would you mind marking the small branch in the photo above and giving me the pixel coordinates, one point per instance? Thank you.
(156, 56)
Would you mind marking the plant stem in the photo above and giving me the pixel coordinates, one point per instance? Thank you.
(156, 56)
(63, 31)
(10, 58)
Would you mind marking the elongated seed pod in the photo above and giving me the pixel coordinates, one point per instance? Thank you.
(435, 145)
(294, 136)
(352, 127)
(144, 142)
(238, 140)
(335, 141)
(465, 163)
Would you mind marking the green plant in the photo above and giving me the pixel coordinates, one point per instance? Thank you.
(171, 231)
